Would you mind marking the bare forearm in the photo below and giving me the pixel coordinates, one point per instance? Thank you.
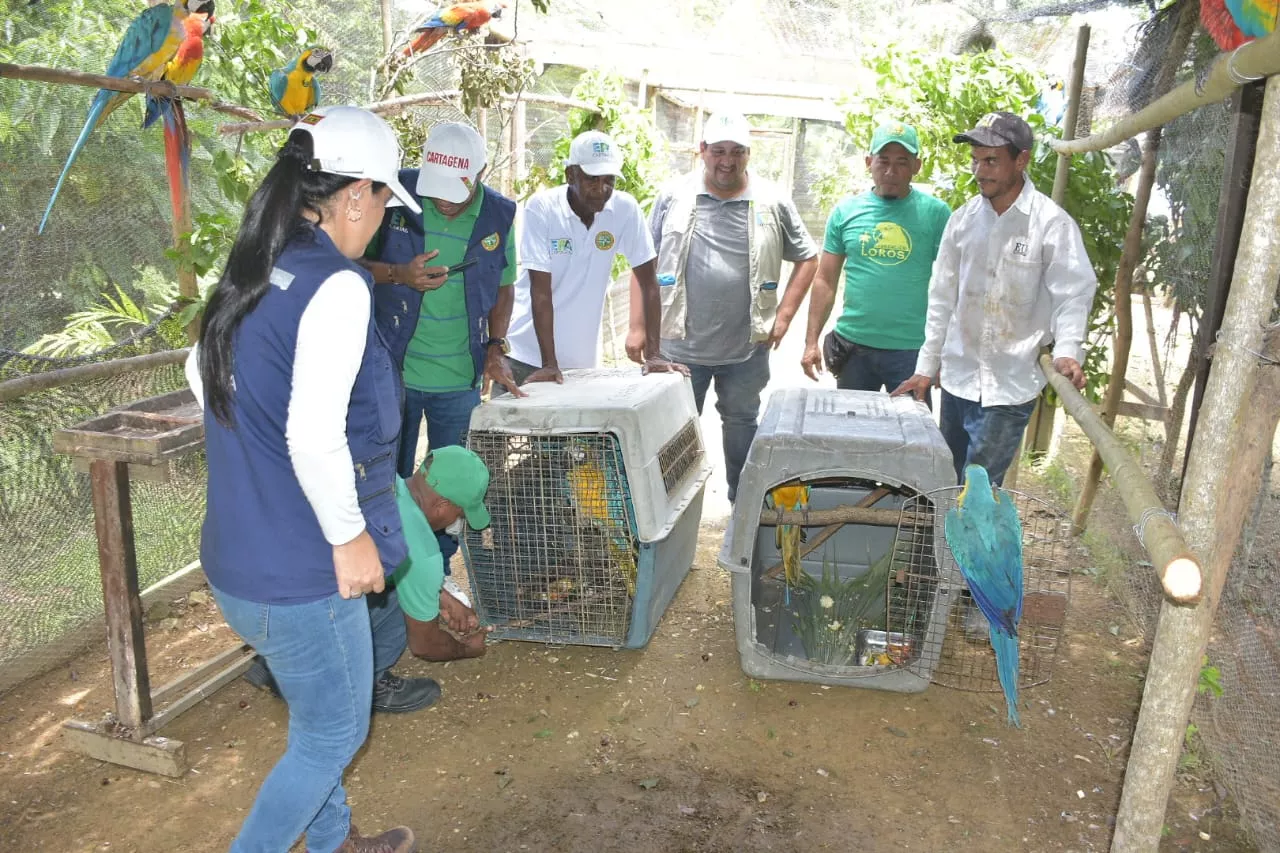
(543, 316)
(644, 279)
(382, 272)
(821, 299)
(797, 287)
(500, 314)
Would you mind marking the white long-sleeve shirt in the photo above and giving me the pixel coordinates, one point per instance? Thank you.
(1002, 287)
(330, 348)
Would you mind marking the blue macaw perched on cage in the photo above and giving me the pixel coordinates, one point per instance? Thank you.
(985, 536)
(599, 493)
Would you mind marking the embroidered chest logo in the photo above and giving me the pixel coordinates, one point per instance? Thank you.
(491, 242)
(888, 244)
(398, 223)
(1020, 248)
(604, 241)
(561, 246)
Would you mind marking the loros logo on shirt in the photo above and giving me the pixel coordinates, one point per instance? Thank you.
(561, 246)
(491, 242)
(887, 244)
(604, 241)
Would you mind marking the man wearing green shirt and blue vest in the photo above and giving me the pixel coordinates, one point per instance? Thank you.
(443, 293)
(886, 239)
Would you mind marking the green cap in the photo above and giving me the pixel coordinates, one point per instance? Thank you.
(458, 475)
(895, 131)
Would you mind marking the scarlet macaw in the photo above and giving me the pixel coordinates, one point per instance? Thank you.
(180, 71)
(460, 17)
(985, 537)
(294, 89)
(150, 42)
(1231, 23)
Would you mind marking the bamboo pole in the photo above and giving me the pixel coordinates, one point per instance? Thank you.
(1162, 396)
(1039, 430)
(1242, 405)
(1251, 61)
(1122, 341)
(1174, 564)
(41, 74)
(841, 515)
(12, 389)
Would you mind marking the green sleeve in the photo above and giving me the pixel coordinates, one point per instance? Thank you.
(833, 239)
(419, 578)
(509, 274)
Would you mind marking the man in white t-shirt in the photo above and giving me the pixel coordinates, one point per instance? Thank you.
(568, 241)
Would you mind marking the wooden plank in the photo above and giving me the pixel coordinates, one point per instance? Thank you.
(1145, 411)
(241, 659)
(1237, 174)
(1141, 393)
(167, 691)
(155, 754)
(118, 564)
(12, 389)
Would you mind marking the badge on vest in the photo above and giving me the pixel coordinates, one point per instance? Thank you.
(1020, 247)
(604, 241)
(398, 222)
(561, 246)
(491, 242)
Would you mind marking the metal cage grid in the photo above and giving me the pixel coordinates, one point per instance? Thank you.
(559, 563)
(925, 574)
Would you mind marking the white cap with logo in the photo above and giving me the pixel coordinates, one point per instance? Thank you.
(727, 127)
(595, 153)
(452, 159)
(354, 142)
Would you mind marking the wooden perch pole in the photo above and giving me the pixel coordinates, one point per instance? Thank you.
(840, 515)
(1122, 342)
(1251, 61)
(1174, 564)
(1241, 408)
(40, 74)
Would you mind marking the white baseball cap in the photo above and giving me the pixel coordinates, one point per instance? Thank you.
(595, 153)
(727, 127)
(354, 142)
(452, 159)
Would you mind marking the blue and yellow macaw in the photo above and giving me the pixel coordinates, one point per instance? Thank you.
(458, 18)
(790, 497)
(1231, 23)
(180, 71)
(148, 45)
(985, 536)
(294, 89)
(600, 497)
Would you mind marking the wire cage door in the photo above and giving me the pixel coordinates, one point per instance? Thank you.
(560, 561)
(956, 651)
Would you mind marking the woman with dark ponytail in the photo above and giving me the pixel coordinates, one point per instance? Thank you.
(302, 416)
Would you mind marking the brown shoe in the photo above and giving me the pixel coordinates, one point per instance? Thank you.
(398, 840)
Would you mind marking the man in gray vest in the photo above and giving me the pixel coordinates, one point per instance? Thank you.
(722, 235)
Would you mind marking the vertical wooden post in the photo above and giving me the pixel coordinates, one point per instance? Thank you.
(697, 127)
(388, 34)
(642, 89)
(1242, 402)
(515, 169)
(118, 563)
(1040, 428)
(1237, 170)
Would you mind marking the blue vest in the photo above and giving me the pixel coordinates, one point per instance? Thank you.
(397, 306)
(261, 540)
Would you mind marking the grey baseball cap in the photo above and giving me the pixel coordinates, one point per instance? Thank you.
(997, 129)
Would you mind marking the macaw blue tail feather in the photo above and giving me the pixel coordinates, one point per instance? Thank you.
(96, 111)
(1006, 648)
(156, 108)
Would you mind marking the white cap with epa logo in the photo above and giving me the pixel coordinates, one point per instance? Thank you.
(354, 142)
(595, 153)
(727, 127)
(452, 159)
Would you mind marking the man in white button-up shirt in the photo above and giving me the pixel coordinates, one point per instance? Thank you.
(1011, 276)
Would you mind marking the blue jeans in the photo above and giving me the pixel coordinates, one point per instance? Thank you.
(321, 655)
(448, 416)
(738, 389)
(983, 435)
(872, 369)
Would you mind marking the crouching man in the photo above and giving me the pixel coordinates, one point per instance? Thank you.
(448, 488)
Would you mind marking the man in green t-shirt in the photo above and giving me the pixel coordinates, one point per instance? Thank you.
(449, 487)
(886, 240)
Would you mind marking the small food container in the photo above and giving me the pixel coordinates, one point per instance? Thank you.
(878, 648)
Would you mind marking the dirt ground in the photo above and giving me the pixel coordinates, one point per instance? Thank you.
(669, 748)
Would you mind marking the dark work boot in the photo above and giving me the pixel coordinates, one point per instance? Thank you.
(395, 695)
(260, 677)
(398, 840)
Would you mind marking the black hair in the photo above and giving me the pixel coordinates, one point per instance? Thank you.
(273, 215)
(1013, 150)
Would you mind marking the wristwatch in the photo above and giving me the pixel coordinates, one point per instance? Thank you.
(499, 342)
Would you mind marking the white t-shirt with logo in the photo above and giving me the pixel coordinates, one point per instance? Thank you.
(580, 260)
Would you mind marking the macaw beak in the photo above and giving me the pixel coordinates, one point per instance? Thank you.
(320, 60)
(208, 24)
